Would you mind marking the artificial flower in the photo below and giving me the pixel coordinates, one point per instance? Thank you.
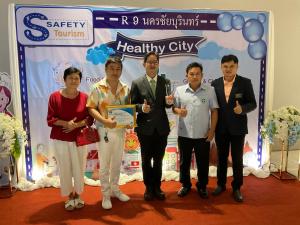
(12, 136)
(284, 124)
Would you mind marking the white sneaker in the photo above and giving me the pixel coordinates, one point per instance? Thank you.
(106, 203)
(120, 195)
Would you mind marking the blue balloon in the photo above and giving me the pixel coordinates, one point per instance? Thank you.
(261, 17)
(253, 30)
(237, 22)
(224, 21)
(257, 50)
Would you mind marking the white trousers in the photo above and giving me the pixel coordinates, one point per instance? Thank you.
(71, 161)
(110, 153)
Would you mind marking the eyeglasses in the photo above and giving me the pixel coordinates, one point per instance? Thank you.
(152, 62)
(194, 74)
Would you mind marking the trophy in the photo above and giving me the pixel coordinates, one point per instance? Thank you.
(169, 91)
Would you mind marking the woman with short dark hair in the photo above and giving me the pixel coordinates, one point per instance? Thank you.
(67, 114)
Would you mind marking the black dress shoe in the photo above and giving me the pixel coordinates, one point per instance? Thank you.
(183, 191)
(203, 192)
(148, 195)
(159, 194)
(218, 190)
(237, 196)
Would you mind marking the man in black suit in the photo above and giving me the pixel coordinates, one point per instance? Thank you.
(149, 94)
(236, 98)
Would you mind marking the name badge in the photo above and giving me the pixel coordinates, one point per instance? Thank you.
(239, 95)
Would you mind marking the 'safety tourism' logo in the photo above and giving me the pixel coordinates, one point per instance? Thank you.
(54, 26)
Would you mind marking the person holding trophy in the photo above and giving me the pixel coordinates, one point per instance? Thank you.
(149, 93)
(110, 92)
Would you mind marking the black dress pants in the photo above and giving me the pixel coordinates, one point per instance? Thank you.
(236, 144)
(152, 148)
(201, 148)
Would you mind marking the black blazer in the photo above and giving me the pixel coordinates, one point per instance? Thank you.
(242, 91)
(157, 118)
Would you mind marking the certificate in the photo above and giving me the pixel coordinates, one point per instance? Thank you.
(124, 114)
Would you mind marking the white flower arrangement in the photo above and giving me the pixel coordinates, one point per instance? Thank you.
(284, 124)
(12, 136)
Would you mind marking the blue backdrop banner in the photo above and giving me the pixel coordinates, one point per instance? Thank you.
(52, 38)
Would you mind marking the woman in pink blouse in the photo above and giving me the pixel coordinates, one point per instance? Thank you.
(67, 114)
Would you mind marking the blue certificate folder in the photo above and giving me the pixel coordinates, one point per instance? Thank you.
(124, 114)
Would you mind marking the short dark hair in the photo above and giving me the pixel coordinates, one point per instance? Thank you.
(192, 65)
(228, 58)
(146, 56)
(71, 70)
(114, 59)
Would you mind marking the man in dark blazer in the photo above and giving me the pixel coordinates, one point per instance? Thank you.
(236, 98)
(149, 94)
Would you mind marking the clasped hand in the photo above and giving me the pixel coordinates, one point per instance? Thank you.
(69, 126)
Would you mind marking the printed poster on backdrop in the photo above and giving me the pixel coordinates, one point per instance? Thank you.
(52, 38)
(5, 94)
(5, 107)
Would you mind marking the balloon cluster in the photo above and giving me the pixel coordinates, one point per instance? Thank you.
(252, 30)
